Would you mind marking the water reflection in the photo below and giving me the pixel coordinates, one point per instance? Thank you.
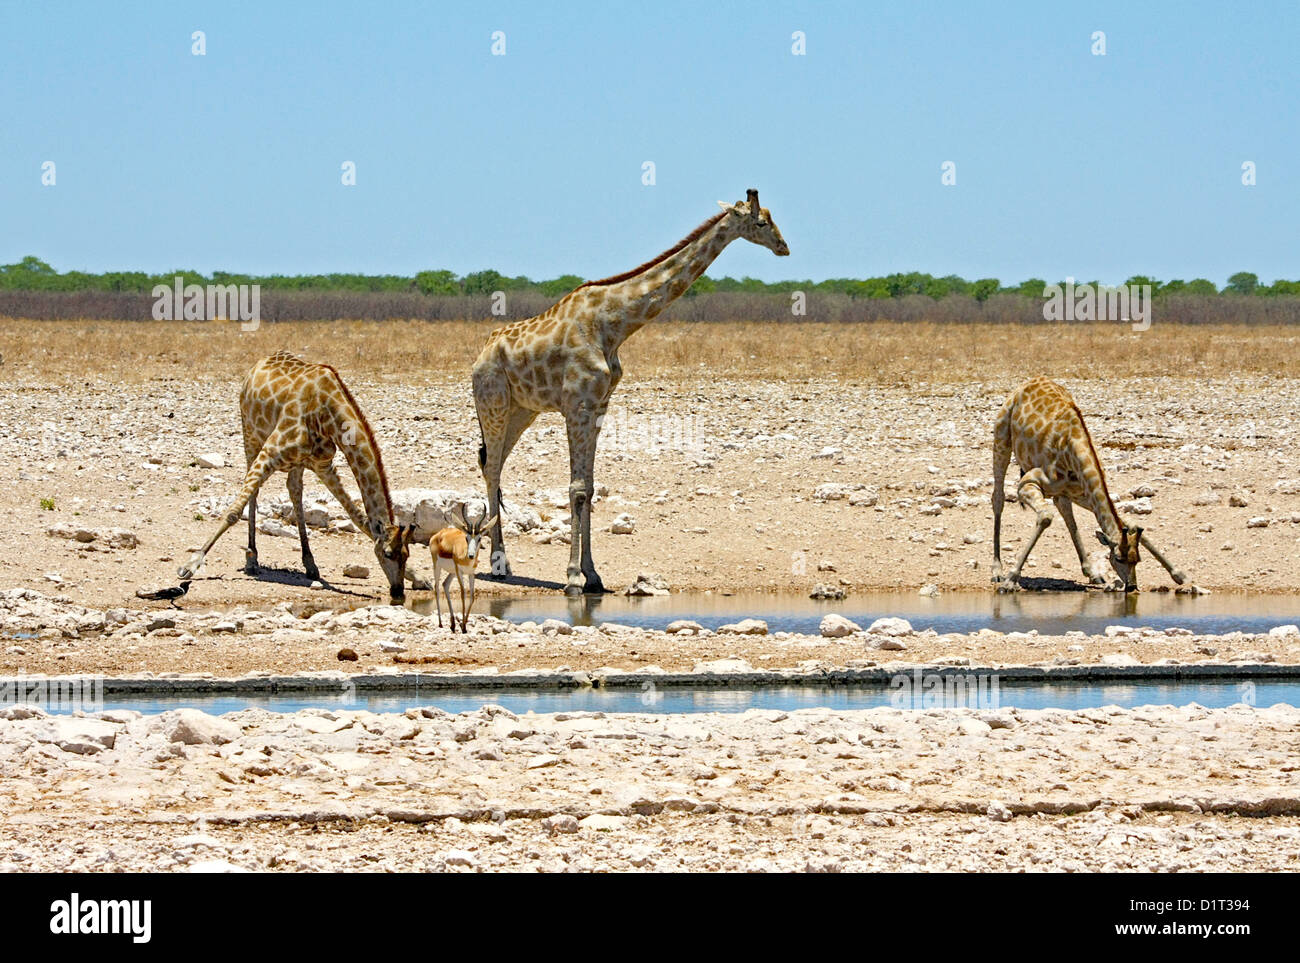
(1051, 612)
(659, 700)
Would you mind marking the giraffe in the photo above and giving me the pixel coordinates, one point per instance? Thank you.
(566, 360)
(295, 416)
(1043, 427)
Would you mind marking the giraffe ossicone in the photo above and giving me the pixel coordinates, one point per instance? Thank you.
(1041, 425)
(295, 416)
(566, 360)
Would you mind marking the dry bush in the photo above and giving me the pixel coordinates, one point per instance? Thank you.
(716, 307)
(887, 352)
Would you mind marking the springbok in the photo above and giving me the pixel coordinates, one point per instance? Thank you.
(455, 550)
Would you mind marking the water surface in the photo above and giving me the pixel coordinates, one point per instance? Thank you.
(1051, 613)
(977, 692)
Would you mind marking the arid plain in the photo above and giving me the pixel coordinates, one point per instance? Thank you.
(747, 457)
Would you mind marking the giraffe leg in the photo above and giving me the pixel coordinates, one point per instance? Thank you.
(581, 427)
(275, 454)
(1066, 509)
(250, 553)
(295, 496)
(1001, 459)
(1030, 492)
(251, 448)
(497, 446)
(593, 584)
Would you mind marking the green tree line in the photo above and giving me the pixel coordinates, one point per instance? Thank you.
(33, 274)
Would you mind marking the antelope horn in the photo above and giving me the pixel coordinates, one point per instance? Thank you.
(753, 202)
(1174, 573)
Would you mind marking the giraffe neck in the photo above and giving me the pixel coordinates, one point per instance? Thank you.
(642, 298)
(353, 436)
(1096, 494)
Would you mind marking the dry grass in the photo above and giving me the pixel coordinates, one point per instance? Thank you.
(422, 352)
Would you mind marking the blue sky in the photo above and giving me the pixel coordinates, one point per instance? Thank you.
(530, 163)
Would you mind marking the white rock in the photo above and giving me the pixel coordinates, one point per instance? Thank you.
(194, 728)
(744, 627)
(356, 571)
(623, 525)
(560, 823)
(211, 459)
(974, 727)
(929, 591)
(648, 583)
(998, 812)
(837, 626)
(1285, 632)
(120, 538)
(1136, 506)
(684, 626)
(891, 626)
(80, 736)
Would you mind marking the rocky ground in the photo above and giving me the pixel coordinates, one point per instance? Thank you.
(723, 484)
(1155, 789)
(1151, 789)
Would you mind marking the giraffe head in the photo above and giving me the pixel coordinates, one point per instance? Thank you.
(1124, 554)
(755, 224)
(392, 547)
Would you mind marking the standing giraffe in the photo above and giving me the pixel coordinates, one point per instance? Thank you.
(566, 360)
(295, 416)
(1043, 427)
